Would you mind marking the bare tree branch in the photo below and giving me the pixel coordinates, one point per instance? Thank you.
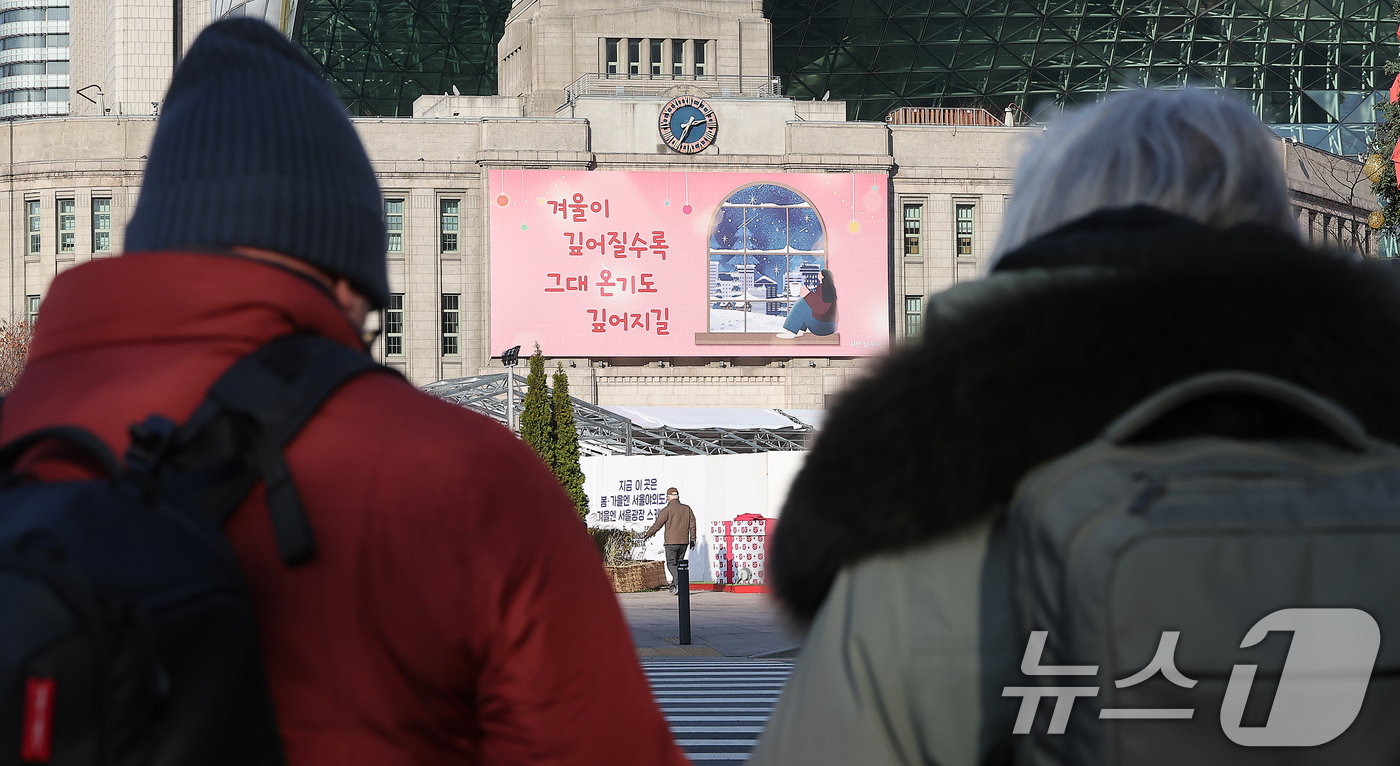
(15, 335)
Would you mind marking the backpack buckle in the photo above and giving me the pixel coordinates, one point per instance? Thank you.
(150, 440)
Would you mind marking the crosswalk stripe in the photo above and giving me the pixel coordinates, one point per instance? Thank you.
(720, 729)
(721, 706)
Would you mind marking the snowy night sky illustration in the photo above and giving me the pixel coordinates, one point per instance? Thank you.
(767, 240)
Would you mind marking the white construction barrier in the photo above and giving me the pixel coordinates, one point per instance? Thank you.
(627, 491)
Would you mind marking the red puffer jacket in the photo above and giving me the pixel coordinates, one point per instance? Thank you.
(455, 610)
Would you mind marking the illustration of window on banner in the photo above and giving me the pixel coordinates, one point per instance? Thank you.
(612, 264)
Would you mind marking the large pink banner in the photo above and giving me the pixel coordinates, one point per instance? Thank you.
(644, 264)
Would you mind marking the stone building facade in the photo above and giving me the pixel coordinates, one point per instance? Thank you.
(71, 184)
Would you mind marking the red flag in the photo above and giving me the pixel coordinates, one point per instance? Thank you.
(1395, 90)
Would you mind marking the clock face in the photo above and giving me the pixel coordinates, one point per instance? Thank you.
(688, 124)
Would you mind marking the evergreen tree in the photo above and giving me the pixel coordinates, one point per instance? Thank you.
(537, 422)
(566, 465)
(1379, 167)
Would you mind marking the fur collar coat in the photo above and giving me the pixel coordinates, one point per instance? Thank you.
(1067, 333)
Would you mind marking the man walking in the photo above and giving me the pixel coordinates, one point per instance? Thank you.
(679, 521)
(428, 626)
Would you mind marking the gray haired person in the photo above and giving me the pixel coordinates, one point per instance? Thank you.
(1191, 152)
(1148, 238)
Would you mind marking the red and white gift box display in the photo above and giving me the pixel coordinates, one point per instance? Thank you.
(737, 556)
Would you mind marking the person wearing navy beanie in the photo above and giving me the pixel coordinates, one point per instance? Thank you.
(253, 149)
(442, 604)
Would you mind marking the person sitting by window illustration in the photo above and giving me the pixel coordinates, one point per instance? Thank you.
(815, 313)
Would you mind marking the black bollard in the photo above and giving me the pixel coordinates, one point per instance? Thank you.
(683, 597)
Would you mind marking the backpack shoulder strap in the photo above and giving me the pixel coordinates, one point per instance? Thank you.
(1332, 416)
(79, 437)
(236, 436)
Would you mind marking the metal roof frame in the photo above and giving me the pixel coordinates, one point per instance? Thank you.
(603, 432)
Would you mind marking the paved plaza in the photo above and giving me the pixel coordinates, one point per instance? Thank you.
(721, 625)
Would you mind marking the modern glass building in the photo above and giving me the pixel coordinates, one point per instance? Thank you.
(1312, 68)
(382, 54)
(33, 58)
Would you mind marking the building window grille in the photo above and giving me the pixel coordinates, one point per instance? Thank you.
(913, 228)
(656, 61)
(393, 325)
(32, 305)
(964, 231)
(913, 315)
(677, 57)
(393, 221)
(699, 58)
(31, 208)
(451, 323)
(101, 224)
(67, 225)
(634, 57)
(611, 54)
(450, 209)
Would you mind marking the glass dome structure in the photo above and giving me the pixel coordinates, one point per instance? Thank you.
(380, 55)
(1310, 67)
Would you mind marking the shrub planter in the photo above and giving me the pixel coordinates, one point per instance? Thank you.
(637, 576)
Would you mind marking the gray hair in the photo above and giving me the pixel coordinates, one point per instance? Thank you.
(1191, 152)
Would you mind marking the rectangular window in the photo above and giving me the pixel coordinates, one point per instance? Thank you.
(610, 48)
(450, 209)
(964, 236)
(101, 224)
(634, 57)
(32, 304)
(677, 57)
(451, 322)
(913, 228)
(699, 58)
(393, 325)
(656, 61)
(913, 315)
(393, 221)
(67, 225)
(31, 209)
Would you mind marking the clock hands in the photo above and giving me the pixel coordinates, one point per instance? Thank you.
(686, 126)
(679, 116)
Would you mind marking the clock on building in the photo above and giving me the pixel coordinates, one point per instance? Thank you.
(688, 124)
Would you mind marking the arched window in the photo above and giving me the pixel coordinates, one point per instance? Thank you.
(766, 242)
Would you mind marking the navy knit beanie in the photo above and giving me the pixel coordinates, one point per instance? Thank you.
(254, 149)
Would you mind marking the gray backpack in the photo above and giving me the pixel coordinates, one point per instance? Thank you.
(1207, 600)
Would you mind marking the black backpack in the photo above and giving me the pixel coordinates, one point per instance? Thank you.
(126, 631)
(1208, 599)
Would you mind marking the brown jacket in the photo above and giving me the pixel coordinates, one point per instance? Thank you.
(679, 521)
